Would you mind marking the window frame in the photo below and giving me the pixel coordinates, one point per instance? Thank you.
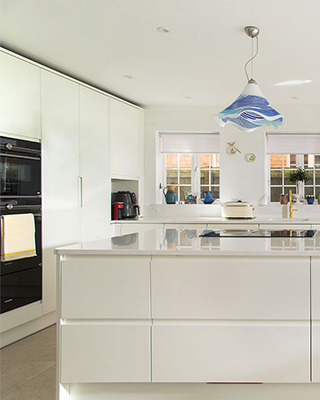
(311, 169)
(196, 186)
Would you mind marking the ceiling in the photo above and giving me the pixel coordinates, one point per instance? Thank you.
(199, 62)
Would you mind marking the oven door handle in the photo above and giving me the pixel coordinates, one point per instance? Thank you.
(18, 156)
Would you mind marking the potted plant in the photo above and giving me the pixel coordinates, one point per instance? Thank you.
(299, 177)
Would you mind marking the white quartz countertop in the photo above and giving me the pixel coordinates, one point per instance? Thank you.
(186, 242)
(218, 220)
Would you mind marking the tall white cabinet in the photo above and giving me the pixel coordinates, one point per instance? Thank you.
(60, 172)
(75, 169)
(72, 121)
(94, 156)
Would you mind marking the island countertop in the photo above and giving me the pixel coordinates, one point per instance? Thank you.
(187, 242)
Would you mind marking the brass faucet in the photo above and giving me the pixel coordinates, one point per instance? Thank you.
(291, 206)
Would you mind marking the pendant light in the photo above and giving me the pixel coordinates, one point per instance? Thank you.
(251, 109)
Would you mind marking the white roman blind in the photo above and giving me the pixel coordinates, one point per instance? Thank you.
(189, 142)
(293, 143)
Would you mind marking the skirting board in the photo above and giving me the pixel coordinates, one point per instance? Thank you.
(19, 332)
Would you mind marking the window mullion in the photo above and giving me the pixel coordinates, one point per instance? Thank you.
(195, 173)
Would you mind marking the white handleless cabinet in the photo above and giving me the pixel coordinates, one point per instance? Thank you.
(105, 324)
(20, 97)
(222, 319)
(315, 315)
(125, 144)
(60, 171)
(230, 352)
(116, 287)
(247, 288)
(94, 179)
(105, 353)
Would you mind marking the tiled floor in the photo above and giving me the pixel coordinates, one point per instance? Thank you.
(28, 367)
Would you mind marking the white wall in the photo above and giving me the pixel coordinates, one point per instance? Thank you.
(239, 179)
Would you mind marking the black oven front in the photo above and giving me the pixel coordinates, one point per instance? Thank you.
(21, 280)
(20, 187)
(20, 168)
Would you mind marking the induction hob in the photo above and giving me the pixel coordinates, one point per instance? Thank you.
(262, 233)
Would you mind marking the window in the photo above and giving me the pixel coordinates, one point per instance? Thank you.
(282, 164)
(191, 163)
(192, 173)
(287, 152)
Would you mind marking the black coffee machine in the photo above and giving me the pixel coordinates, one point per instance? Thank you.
(129, 209)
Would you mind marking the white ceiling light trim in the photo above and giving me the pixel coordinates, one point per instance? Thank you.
(251, 110)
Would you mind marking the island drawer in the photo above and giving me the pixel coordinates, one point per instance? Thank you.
(105, 353)
(105, 287)
(231, 353)
(315, 308)
(230, 288)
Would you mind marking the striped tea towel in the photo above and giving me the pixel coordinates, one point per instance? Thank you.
(17, 236)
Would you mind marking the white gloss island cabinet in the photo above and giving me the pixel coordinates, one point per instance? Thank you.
(227, 319)
(105, 334)
(315, 312)
(180, 319)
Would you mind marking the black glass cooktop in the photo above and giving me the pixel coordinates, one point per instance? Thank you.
(259, 233)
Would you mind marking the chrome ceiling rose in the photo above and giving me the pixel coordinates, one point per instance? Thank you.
(252, 31)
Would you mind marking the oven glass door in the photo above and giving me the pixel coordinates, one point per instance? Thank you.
(20, 175)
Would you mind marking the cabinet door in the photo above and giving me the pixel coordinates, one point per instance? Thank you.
(105, 287)
(105, 353)
(230, 288)
(125, 146)
(60, 172)
(95, 210)
(20, 97)
(230, 353)
(315, 310)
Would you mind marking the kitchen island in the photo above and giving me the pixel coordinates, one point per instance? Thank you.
(145, 314)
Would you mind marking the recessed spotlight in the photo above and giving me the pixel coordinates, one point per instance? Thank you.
(293, 83)
(128, 76)
(188, 97)
(162, 29)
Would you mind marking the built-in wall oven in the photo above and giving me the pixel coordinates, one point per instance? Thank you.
(20, 185)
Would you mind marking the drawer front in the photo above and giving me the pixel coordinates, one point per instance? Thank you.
(316, 352)
(109, 287)
(315, 287)
(230, 288)
(105, 353)
(230, 353)
(315, 307)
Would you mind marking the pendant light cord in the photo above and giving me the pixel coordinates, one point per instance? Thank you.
(251, 59)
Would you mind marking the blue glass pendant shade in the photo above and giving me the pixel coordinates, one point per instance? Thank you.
(250, 111)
